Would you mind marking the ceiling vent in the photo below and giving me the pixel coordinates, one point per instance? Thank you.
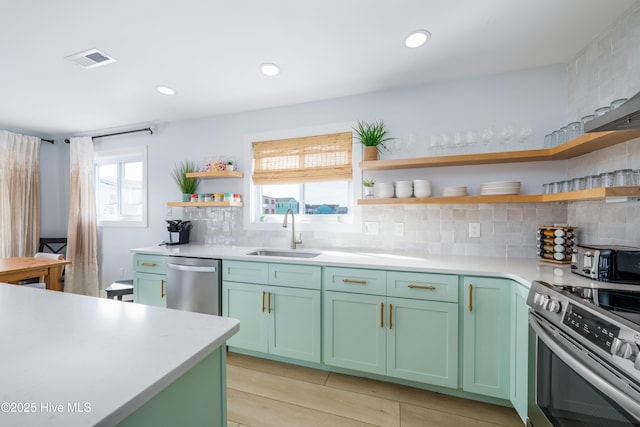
(91, 58)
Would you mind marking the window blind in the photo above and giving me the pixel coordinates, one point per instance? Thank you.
(307, 159)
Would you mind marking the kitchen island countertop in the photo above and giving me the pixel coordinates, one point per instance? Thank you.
(522, 270)
(75, 360)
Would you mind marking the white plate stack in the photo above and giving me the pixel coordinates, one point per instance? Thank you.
(404, 189)
(421, 188)
(383, 190)
(454, 191)
(499, 188)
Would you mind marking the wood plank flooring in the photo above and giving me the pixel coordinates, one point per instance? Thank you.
(263, 393)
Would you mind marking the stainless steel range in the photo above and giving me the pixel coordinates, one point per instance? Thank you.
(585, 355)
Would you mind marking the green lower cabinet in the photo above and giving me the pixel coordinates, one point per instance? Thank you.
(422, 341)
(355, 331)
(275, 320)
(409, 339)
(519, 351)
(247, 303)
(149, 289)
(486, 319)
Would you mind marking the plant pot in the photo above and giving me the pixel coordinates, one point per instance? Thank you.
(368, 193)
(186, 197)
(370, 153)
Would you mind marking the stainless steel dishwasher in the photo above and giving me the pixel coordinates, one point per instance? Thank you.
(194, 284)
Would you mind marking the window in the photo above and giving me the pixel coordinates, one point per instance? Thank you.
(311, 175)
(121, 187)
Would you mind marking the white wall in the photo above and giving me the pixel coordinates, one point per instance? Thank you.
(608, 68)
(531, 96)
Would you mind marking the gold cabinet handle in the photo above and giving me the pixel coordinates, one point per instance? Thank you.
(362, 282)
(263, 292)
(429, 287)
(390, 316)
(162, 294)
(148, 264)
(382, 315)
(269, 302)
(470, 297)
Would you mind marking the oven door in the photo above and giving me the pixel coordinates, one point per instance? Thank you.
(573, 387)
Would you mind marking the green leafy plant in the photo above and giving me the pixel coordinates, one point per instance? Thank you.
(372, 134)
(180, 171)
(368, 182)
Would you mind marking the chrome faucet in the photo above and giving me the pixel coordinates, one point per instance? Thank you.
(294, 242)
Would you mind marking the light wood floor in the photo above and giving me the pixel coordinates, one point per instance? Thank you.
(263, 393)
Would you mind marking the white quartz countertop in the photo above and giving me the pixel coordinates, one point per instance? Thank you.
(106, 357)
(522, 270)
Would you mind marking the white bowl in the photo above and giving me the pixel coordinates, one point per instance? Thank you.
(422, 191)
(403, 193)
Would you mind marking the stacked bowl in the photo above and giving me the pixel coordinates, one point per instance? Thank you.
(421, 188)
(404, 189)
(384, 190)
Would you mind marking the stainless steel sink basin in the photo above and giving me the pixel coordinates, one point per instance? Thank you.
(284, 253)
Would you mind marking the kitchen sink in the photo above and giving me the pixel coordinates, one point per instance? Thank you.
(284, 253)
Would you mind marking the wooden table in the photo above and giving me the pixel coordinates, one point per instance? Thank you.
(20, 268)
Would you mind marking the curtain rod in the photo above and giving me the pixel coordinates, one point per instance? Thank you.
(119, 133)
(50, 141)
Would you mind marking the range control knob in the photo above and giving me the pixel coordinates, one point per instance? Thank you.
(554, 306)
(625, 349)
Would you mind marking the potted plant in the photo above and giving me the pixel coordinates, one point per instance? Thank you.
(188, 186)
(368, 188)
(372, 136)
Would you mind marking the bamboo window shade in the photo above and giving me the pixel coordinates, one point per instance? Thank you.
(307, 159)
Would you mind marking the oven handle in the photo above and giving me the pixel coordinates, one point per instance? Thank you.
(619, 396)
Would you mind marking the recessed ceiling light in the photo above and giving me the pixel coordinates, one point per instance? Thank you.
(165, 90)
(417, 38)
(270, 69)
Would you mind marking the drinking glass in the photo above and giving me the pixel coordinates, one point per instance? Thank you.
(487, 136)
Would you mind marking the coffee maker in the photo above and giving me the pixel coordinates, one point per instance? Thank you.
(178, 231)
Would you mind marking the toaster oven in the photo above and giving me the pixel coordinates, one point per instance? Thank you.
(618, 264)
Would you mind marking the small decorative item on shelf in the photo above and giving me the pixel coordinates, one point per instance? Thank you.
(555, 243)
(188, 186)
(372, 136)
(368, 188)
(220, 165)
(230, 166)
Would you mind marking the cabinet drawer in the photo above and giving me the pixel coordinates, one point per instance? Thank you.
(355, 280)
(427, 286)
(155, 264)
(295, 276)
(245, 271)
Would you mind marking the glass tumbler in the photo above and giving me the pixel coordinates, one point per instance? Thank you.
(591, 181)
(584, 120)
(578, 184)
(606, 179)
(636, 176)
(574, 129)
(623, 178)
(556, 138)
(618, 102)
(602, 110)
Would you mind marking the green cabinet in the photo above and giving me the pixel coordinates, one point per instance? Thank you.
(278, 306)
(519, 349)
(149, 279)
(486, 319)
(409, 338)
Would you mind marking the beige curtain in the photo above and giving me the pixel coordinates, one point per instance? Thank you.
(19, 194)
(81, 276)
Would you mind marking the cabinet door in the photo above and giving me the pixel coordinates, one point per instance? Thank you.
(247, 303)
(294, 323)
(519, 353)
(355, 331)
(486, 318)
(422, 341)
(149, 289)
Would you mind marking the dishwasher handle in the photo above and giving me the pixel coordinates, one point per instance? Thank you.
(193, 268)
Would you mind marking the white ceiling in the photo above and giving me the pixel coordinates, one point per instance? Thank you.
(209, 51)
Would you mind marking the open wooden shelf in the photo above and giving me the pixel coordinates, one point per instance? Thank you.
(215, 174)
(205, 204)
(593, 194)
(584, 144)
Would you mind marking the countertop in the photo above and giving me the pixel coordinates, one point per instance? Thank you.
(106, 356)
(522, 270)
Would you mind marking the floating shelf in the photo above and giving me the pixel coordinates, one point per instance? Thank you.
(205, 204)
(215, 174)
(593, 194)
(584, 144)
